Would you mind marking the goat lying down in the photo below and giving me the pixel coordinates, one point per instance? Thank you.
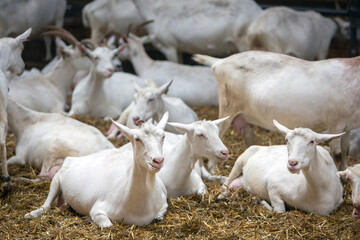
(183, 170)
(300, 174)
(135, 195)
(151, 102)
(44, 140)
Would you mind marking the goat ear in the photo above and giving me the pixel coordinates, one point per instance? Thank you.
(60, 43)
(280, 127)
(84, 51)
(164, 88)
(320, 138)
(118, 50)
(62, 52)
(218, 121)
(163, 121)
(147, 39)
(111, 41)
(124, 130)
(342, 173)
(22, 37)
(136, 86)
(182, 127)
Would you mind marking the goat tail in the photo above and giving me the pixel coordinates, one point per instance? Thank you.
(204, 59)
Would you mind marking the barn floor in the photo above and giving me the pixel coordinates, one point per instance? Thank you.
(191, 217)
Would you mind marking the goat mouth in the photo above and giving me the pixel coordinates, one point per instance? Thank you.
(154, 167)
(221, 158)
(293, 170)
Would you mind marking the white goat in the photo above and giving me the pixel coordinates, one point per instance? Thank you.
(109, 16)
(54, 86)
(102, 95)
(300, 174)
(187, 79)
(135, 195)
(352, 175)
(151, 102)
(10, 61)
(305, 35)
(216, 28)
(183, 171)
(43, 140)
(255, 87)
(18, 15)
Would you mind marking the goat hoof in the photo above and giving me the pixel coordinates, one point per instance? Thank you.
(5, 178)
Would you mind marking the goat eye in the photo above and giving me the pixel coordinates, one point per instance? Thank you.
(150, 99)
(286, 140)
(97, 58)
(137, 139)
(311, 142)
(200, 135)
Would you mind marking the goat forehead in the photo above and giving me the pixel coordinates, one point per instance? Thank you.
(205, 126)
(102, 51)
(300, 133)
(147, 130)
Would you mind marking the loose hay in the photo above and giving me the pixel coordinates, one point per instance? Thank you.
(190, 217)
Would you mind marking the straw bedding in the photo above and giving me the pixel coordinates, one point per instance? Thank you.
(240, 216)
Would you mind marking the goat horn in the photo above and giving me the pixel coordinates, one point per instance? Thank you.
(141, 25)
(66, 35)
(90, 42)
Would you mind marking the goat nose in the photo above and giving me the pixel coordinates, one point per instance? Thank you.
(135, 119)
(293, 163)
(224, 152)
(158, 160)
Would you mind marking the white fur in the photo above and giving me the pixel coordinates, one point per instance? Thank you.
(301, 174)
(11, 63)
(215, 28)
(19, 15)
(306, 35)
(183, 171)
(44, 140)
(256, 87)
(116, 184)
(151, 102)
(187, 80)
(48, 92)
(109, 16)
(352, 175)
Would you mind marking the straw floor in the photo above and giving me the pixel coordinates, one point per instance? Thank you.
(191, 217)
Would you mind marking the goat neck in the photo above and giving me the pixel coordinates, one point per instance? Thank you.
(138, 56)
(62, 75)
(185, 159)
(20, 117)
(313, 173)
(4, 53)
(138, 193)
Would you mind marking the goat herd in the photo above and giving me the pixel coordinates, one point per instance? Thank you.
(131, 184)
